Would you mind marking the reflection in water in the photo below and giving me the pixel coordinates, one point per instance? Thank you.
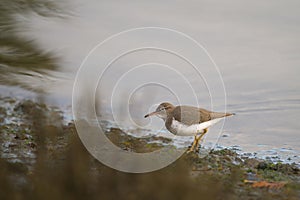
(20, 58)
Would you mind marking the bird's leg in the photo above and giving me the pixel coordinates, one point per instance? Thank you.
(193, 145)
(199, 138)
(196, 142)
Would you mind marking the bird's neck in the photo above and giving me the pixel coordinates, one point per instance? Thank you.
(168, 114)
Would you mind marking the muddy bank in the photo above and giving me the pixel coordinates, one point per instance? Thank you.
(42, 157)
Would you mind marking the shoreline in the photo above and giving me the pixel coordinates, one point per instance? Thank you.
(271, 155)
(36, 138)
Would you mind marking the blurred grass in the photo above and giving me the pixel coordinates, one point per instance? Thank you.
(18, 55)
(79, 177)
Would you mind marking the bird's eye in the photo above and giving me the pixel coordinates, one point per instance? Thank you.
(162, 109)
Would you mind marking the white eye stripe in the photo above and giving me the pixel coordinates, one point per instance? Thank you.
(163, 108)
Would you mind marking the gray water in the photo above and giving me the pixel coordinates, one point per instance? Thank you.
(255, 45)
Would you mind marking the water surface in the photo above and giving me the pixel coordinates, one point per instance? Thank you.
(255, 44)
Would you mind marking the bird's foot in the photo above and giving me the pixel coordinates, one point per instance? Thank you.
(196, 145)
(192, 148)
(196, 149)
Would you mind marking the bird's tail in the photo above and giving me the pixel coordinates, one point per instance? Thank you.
(216, 115)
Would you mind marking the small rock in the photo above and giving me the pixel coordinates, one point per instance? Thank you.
(32, 145)
(262, 165)
(252, 163)
(9, 144)
(252, 177)
(225, 135)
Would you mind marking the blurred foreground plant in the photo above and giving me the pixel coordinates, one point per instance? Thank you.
(20, 57)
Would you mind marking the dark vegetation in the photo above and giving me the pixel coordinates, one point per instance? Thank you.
(20, 56)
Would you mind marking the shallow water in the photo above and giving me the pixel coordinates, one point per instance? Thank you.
(255, 45)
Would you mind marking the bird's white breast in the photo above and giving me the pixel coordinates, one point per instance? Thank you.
(181, 129)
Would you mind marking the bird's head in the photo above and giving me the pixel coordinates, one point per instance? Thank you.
(162, 111)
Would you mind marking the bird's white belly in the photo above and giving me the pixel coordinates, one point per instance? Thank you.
(181, 129)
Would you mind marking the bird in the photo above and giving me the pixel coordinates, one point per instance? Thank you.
(187, 120)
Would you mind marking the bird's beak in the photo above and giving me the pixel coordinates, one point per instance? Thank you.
(150, 114)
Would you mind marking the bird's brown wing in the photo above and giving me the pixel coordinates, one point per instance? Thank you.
(191, 115)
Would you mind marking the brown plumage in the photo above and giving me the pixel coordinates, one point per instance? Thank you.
(186, 120)
(189, 115)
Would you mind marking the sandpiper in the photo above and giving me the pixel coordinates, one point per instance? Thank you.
(187, 120)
